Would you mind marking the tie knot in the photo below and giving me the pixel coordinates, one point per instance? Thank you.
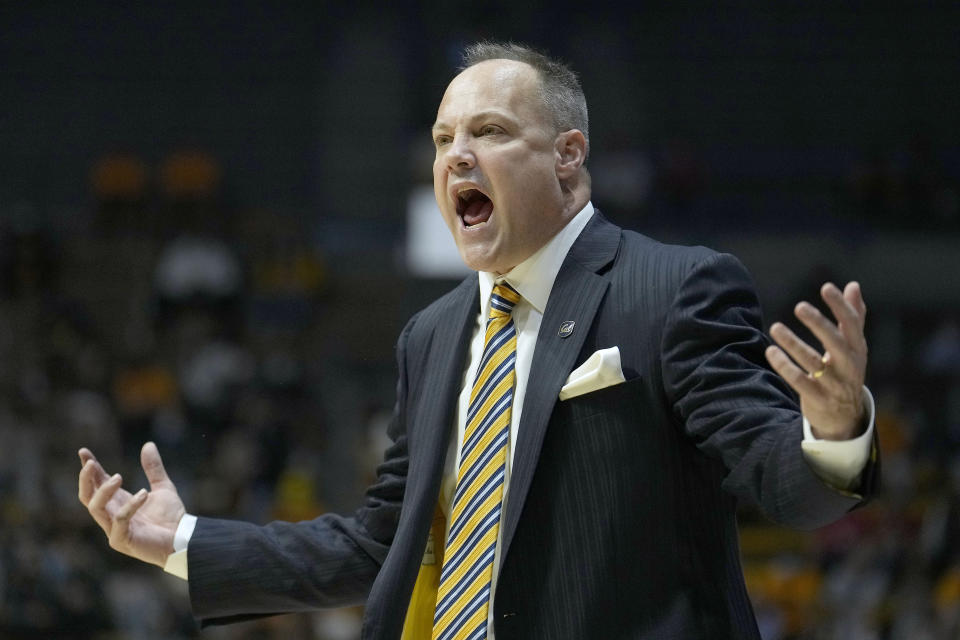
(502, 300)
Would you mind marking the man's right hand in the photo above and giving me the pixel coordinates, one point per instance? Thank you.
(141, 525)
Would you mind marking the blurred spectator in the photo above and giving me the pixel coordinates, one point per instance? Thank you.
(940, 352)
(198, 269)
(210, 376)
(190, 181)
(145, 394)
(914, 193)
(119, 182)
(288, 275)
(29, 262)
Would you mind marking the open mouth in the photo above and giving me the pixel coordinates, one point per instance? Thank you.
(473, 207)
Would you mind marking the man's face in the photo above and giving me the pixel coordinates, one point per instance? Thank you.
(494, 175)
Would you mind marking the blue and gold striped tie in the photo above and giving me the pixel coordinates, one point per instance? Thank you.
(463, 600)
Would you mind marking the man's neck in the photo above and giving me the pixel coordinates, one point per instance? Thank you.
(534, 277)
(575, 199)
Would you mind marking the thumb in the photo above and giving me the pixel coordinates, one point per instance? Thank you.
(153, 467)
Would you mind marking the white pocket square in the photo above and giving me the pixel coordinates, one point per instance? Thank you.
(601, 370)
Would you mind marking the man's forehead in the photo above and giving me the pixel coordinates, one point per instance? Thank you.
(488, 85)
(498, 72)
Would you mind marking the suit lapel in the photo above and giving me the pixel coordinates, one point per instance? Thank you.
(444, 371)
(576, 295)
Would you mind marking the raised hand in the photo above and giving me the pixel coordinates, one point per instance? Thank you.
(830, 384)
(141, 525)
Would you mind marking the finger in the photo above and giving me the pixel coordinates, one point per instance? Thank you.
(101, 497)
(802, 353)
(854, 295)
(153, 467)
(796, 377)
(98, 468)
(92, 474)
(85, 454)
(825, 331)
(91, 477)
(849, 321)
(121, 521)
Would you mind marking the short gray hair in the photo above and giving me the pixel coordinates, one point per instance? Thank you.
(560, 88)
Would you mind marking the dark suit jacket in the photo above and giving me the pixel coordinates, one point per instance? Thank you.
(620, 521)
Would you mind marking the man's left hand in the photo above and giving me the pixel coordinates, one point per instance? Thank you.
(830, 384)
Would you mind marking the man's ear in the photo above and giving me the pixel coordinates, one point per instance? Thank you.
(571, 149)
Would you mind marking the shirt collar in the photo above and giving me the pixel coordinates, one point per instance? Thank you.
(533, 278)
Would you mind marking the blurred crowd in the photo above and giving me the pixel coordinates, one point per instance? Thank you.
(178, 318)
(166, 321)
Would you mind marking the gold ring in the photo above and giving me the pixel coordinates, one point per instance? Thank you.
(819, 373)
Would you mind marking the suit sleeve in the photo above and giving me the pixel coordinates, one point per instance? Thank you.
(240, 571)
(733, 406)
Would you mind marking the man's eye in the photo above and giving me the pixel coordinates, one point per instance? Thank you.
(441, 140)
(489, 130)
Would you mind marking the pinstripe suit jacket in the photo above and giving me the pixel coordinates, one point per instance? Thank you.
(621, 517)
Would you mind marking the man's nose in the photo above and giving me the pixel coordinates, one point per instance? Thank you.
(460, 155)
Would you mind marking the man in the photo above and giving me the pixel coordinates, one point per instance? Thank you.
(617, 396)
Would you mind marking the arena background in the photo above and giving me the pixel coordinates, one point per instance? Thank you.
(204, 241)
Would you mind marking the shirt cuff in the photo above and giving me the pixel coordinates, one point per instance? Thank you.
(177, 561)
(839, 463)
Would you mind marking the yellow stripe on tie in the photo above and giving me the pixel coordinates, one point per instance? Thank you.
(468, 563)
(488, 472)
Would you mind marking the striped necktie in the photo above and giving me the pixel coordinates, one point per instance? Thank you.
(463, 600)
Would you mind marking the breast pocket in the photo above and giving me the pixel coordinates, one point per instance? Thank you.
(623, 398)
